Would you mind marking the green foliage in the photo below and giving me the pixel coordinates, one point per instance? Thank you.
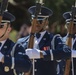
(57, 6)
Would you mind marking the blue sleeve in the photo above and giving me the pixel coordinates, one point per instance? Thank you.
(21, 61)
(61, 51)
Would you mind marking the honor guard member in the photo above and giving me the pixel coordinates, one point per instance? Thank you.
(19, 62)
(67, 17)
(47, 47)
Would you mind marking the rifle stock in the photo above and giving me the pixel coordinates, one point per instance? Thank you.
(0, 19)
(69, 43)
(31, 39)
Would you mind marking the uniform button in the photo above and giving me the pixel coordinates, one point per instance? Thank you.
(35, 60)
(35, 69)
(6, 68)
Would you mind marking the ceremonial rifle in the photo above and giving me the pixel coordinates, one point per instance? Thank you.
(69, 40)
(32, 34)
(4, 4)
(37, 11)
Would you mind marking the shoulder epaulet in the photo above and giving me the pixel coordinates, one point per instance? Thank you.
(23, 40)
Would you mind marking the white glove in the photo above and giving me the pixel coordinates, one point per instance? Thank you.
(33, 53)
(1, 56)
(74, 53)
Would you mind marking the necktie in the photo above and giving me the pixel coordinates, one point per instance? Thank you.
(38, 35)
(0, 44)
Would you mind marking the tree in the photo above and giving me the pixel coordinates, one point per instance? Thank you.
(19, 9)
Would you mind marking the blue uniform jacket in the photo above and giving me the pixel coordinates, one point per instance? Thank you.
(21, 61)
(74, 59)
(47, 66)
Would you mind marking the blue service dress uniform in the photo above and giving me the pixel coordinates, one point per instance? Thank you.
(73, 48)
(47, 66)
(21, 61)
